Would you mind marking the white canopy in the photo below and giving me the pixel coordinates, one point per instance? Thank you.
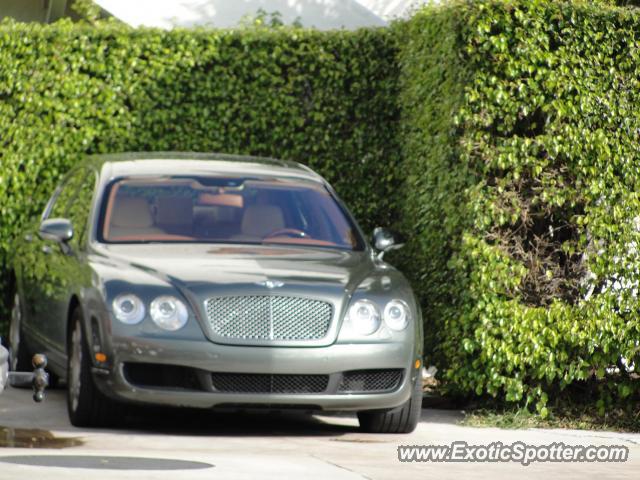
(321, 14)
(390, 9)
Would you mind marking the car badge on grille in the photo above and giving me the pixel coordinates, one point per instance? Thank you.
(271, 284)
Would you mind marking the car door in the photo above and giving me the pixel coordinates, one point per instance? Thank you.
(70, 262)
(45, 283)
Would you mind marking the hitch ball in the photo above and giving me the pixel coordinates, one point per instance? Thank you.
(40, 377)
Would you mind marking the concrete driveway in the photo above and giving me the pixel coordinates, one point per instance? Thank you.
(181, 444)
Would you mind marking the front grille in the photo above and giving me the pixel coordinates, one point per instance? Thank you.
(364, 381)
(266, 383)
(269, 317)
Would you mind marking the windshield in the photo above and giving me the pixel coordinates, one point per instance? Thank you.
(225, 210)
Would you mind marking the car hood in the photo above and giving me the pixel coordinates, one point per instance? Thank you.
(201, 272)
(205, 269)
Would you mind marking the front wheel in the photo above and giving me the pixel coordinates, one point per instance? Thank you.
(86, 405)
(402, 419)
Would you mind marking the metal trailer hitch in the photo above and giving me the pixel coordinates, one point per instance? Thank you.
(38, 379)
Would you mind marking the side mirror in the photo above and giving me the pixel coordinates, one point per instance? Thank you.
(56, 229)
(384, 242)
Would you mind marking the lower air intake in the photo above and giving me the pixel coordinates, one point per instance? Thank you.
(265, 383)
(369, 381)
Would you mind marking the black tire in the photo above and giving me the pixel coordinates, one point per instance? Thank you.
(402, 419)
(86, 405)
(19, 356)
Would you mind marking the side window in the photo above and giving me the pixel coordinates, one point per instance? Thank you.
(79, 209)
(65, 194)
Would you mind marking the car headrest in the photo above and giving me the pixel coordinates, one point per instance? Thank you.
(220, 200)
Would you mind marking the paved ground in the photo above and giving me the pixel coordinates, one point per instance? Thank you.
(191, 445)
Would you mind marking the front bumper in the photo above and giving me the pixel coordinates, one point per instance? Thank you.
(206, 358)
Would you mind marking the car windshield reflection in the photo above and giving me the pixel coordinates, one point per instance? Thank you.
(225, 210)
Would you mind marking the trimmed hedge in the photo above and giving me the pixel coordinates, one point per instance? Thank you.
(522, 122)
(501, 137)
(325, 99)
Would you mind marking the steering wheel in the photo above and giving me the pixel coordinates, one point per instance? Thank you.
(289, 232)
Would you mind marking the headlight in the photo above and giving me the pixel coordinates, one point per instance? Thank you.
(365, 317)
(396, 315)
(169, 313)
(128, 309)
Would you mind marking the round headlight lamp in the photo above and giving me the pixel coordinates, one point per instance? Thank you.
(128, 308)
(396, 315)
(169, 313)
(364, 316)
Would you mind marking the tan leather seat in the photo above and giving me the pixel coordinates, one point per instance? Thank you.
(131, 216)
(259, 221)
(175, 215)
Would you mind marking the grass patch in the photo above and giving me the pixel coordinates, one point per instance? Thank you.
(578, 418)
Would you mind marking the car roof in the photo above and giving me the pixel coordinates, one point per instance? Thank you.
(188, 163)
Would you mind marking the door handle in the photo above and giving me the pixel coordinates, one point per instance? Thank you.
(47, 250)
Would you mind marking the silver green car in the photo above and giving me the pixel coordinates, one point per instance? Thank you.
(214, 281)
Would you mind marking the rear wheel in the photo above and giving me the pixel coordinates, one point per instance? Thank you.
(19, 358)
(86, 405)
(402, 419)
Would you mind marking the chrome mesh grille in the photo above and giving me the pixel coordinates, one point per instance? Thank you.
(269, 317)
(266, 383)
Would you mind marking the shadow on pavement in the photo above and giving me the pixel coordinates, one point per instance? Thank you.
(17, 411)
(178, 421)
(448, 417)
